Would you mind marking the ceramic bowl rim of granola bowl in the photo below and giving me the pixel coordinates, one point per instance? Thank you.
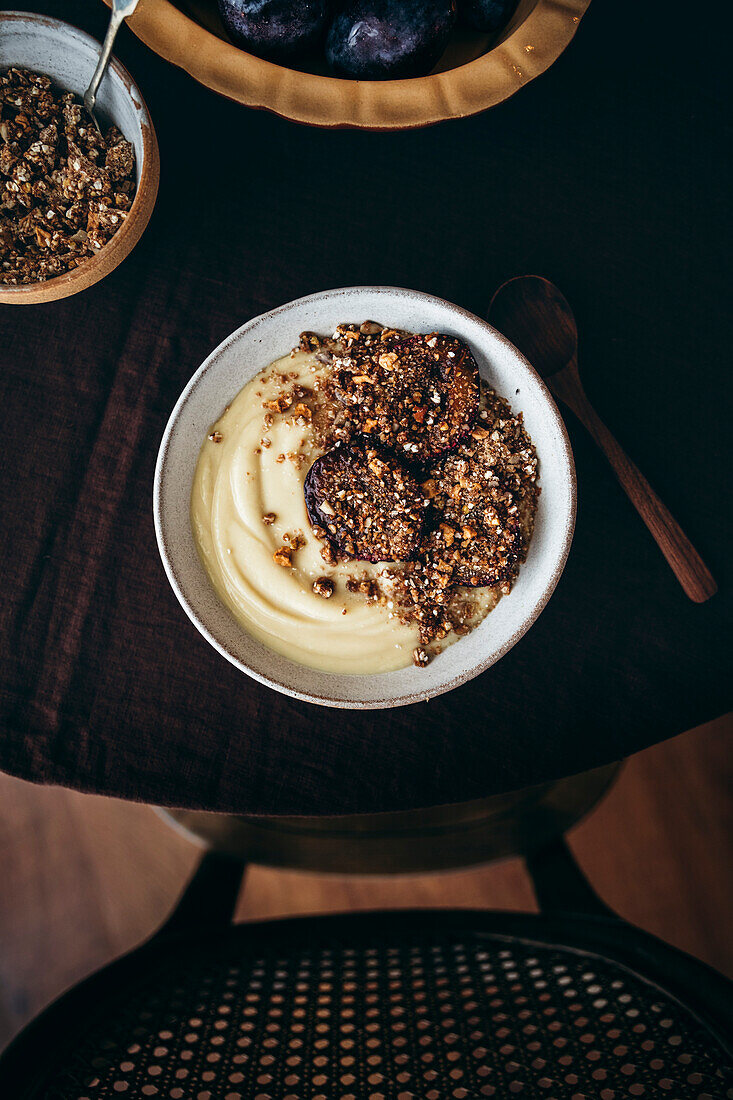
(68, 55)
(535, 37)
(255, 345)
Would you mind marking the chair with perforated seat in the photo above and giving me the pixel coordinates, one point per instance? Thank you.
(570, 1004)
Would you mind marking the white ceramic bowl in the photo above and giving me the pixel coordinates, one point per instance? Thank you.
(69, 57)
(233, 364)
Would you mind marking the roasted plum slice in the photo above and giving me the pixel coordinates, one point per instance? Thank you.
(418, 395)
(457, 385)
(484, 494)
(365, 504)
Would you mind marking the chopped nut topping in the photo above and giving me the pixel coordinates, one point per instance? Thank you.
(324, 586)
(215, 437)
(279, 404)
(448, 534)
(284, 557)
(365, 586)
(328, 554)
(296, 541)
(269, 518)
(420, 657)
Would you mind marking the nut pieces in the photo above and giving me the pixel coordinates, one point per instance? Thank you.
(324, 587)
(284, 556)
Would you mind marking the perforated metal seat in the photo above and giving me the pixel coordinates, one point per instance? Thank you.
(390, 1006)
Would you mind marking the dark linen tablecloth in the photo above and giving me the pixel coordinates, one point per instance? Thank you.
(608, 174)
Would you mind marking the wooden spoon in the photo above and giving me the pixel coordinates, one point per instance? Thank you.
(535, 316)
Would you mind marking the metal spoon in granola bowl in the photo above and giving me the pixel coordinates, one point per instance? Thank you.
(121, 10)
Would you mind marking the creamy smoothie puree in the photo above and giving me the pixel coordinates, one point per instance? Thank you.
(247, 505)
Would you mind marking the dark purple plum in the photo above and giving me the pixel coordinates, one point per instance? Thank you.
(275, 29)
(383, 39)
(417, 395)
(489, 16)
(365, 504)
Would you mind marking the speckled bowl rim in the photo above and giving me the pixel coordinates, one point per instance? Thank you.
(529, 50)
(335, 700)
(122, 243)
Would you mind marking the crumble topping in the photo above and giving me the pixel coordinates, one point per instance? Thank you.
(324, 587)
(284, 556)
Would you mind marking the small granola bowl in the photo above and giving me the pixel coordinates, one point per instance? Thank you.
(234, 363)
(68, 56)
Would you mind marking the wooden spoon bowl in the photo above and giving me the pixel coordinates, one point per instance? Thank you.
(536, 317)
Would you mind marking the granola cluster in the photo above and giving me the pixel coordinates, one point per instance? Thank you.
(476, 466)
(65, 189)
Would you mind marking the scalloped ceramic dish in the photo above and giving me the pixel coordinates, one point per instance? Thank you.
(69, 57)
(476, 71)
(222, 376)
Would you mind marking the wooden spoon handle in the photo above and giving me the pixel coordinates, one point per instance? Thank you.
(683, 558)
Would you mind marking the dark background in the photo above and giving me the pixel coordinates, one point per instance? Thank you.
(611, 175)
